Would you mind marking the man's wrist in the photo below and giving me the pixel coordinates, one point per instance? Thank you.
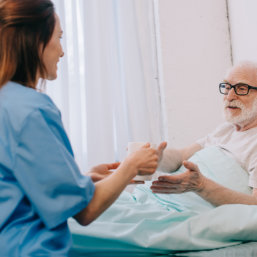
(202, 185)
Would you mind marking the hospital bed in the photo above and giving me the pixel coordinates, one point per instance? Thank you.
(145, 223)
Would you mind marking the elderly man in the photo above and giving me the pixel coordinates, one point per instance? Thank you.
(238, 137)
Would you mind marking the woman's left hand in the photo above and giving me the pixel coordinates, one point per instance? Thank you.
(190, 180)
(102, 171)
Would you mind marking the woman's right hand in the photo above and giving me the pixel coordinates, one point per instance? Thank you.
(144, 160)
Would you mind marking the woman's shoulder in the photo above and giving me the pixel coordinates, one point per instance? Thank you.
(18, 102)
(16, 93)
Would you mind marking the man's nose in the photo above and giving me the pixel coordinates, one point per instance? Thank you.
(231, 94)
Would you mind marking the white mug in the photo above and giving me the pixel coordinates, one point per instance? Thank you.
(134, 146)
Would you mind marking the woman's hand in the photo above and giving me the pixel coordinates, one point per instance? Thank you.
(102, 171)
(144, 160)
(190, 180)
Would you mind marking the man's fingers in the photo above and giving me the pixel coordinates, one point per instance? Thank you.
(174, 179)
(164, 186)
(190, 165)
(164, 192)
(136, 181)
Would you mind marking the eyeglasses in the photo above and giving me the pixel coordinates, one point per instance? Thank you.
(240, 88)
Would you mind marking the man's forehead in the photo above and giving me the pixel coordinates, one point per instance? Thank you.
(241, 75)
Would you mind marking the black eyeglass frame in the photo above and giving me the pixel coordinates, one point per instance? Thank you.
(234, 86)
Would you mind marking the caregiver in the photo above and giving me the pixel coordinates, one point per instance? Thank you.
(40, 183)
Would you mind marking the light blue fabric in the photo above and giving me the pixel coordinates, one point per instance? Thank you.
(144, 221)
(40, 183)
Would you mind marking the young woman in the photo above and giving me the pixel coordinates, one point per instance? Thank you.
(40, 183)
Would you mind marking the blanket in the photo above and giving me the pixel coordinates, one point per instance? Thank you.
(160, 223)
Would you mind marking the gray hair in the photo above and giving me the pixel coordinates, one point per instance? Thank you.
(245, 67)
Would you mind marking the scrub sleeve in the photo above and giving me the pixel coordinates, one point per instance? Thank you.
(45, 168)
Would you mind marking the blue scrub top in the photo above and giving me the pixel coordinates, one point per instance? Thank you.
(40, 184)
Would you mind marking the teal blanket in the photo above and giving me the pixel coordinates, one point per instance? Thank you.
(143, 221)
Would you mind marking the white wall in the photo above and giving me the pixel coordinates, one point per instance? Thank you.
(243, 23)
(195, 53)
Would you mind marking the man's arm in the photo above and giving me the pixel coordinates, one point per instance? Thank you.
(218, 195)
(172, 159)
(193, 180)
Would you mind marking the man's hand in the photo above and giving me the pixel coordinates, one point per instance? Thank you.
(102, 171)
(190, 180)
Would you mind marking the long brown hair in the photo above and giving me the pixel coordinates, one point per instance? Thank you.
(26, 26)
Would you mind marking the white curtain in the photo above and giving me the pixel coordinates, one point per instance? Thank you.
(107, 86)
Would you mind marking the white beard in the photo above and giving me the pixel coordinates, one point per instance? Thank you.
(246, 116)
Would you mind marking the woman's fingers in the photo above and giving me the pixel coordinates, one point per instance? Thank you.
(146, 145)
(162, 146)
(113, 166)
